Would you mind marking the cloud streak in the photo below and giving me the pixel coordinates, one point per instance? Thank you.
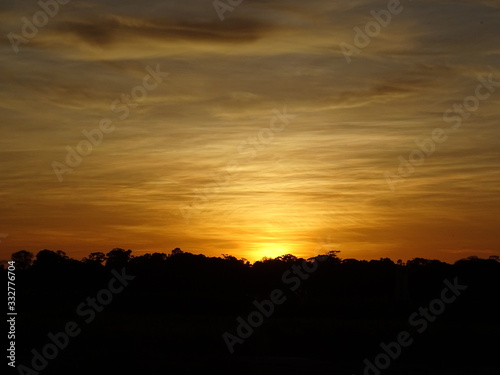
(322, 176)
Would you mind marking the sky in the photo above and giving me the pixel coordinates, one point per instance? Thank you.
(252, 128)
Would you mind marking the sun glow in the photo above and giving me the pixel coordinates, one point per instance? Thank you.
(270, 252)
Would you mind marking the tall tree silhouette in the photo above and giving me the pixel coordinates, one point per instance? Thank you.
(96, 259)
(23, 259)
(118, 258)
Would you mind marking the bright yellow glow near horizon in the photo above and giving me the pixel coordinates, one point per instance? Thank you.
(257, 138)
(269, 252)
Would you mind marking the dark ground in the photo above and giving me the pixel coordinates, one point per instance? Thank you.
(171, 317)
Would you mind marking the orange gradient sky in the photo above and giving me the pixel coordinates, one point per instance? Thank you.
(304, 184)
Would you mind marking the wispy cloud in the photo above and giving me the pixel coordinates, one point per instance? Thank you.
(322, 176)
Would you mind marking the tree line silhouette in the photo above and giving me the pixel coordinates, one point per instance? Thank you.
(173, 314)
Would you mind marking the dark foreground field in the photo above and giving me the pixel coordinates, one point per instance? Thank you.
(171, 315)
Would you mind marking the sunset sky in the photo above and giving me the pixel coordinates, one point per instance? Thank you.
(300, 136)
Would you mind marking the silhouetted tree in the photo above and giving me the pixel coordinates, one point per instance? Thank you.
(332, 257)
(234, 260)
(287, 258)
(95, 259)
(177, 251)
(494, 257)
(23, 259)
(50, 259)
(118, 258)
(418, 262)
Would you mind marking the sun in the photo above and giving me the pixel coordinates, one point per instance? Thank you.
(270, 252)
